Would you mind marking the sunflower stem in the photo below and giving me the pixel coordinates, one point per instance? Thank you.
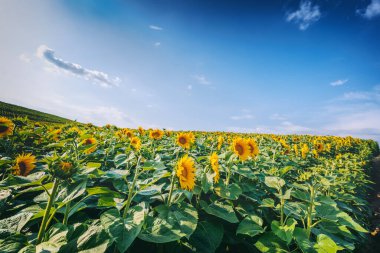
(47, 211)
(171, 188)
(130, 194)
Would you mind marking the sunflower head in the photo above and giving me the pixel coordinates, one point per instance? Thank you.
(253, 148)
(214, 161)
(25, 163)
(240, 148)
(136, 143)
(220, 142)
(296, 151)
(141, 130)
(6, 127)
(304, 150)
(319, 147)
(156, 134)
(91, 142)
(186, 173)
(184, 140)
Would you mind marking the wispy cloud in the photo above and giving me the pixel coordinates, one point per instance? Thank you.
(201, 79)
(339, 82)
(156, 28)
(157, 44)
(242, 117)
(189, 87)
(95, 76)
(24, 58)
(371, 11)
(306, 15)
(277, 116)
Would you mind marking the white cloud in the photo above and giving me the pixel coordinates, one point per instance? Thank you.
(305, 16)
(339, 82)
(357, 96)
(157, 44)
(24, 58)
(242, 117)
(189, 87)
(372, 10)
(95, 76)
(201, 79)
(277, 116)
(156, 28)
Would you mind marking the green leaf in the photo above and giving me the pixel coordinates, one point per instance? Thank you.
(270, 243)
(103, 191)
(75, 191)
(13, 243)
(251, 226)
(284, 232)
(171, 223)
(327, 212)
(346, 220)
(326, 245)
(120, 160)
(16, 223)
(268, 202)
(93, 239)
(274, 182)
(302, 240)
(231, 191)
(221, 210)
(207, 237)
(124, 231)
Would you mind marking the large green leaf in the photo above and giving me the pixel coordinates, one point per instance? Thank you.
(274, 182)
(221, 210)
(270, 243)
(13, 243)
(124, 231)
(284, 232)
(171, 223)
(17, 222)
(302, 240)
(207, 237)
(251, 226)
(326, 245)
(346, 220)
(232, 191)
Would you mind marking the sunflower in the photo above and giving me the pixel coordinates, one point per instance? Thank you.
(25, 163)
(88, 142)
(304, 150)
(296, 151)
(141, 130)
(136, 143)
(220, 142)
(6, 127)
(65, 166)
(156, 134)
(240, 148)
(184, 140)
(253, 148)
(215, 166)
(319, 147)
(186, 173)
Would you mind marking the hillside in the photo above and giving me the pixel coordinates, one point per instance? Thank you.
(12, 111)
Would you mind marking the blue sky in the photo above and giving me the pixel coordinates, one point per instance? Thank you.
(245, 66)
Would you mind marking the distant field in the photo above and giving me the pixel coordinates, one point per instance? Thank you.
(13, 111)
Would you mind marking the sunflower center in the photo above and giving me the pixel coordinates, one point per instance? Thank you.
(88, 142)
(184, 172)
(129, 134)
(239, 149)
(155, 134)
(22, 167)
(182, 140)
(3, 128)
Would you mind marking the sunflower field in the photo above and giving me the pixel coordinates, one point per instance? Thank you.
(82, 188)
